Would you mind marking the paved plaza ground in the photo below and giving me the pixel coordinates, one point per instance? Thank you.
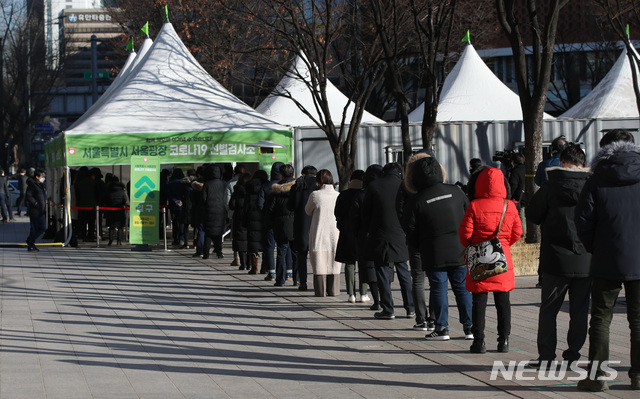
(107, 322)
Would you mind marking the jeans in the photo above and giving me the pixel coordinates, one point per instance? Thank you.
(503, 307)
(38, 224)
(384, 273)
(284, 262)
(438, 280)
(269, 249)
(604, 294)
(554, 290)
(199, 239)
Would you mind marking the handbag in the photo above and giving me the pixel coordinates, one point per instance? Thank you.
(486, 259)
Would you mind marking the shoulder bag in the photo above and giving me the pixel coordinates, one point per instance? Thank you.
(486, 259)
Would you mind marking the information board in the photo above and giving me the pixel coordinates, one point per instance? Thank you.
(145, 200)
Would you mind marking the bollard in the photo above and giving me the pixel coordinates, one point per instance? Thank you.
(164, 217)
(97, 226)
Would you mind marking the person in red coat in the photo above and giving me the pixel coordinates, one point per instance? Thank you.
(487, 190)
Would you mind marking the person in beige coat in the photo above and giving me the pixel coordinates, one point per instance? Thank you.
(323, 236)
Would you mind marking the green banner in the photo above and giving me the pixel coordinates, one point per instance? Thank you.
(145, 199)
(174, 148)
(54, 152)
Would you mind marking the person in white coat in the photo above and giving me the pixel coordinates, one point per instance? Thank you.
(323, 236)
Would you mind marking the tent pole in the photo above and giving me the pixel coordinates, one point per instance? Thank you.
(68, 228)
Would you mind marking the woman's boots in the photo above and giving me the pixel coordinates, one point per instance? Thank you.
(254, 263)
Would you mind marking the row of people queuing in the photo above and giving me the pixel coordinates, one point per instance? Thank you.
(589, 247)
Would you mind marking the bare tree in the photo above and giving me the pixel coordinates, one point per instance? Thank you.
(532, 78)
(328, 36)
(25, 89)
(393, 21)
(618, 14)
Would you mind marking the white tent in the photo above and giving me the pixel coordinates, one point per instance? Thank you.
(281, 108)
(613, 97)
(472, 92)
(168, 106)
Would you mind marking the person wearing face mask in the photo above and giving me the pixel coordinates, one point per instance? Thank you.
(36, 205)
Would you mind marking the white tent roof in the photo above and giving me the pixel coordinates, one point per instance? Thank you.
(279, 107)
(132, 60)
(168, 91)
(472, 92)
(613, 97)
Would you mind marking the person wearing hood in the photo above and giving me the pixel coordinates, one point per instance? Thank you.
(282, 222)
(252, 217)
(347, 251)
(298, 197)
(607, 219)
(174, 197)
(366, 267)
(36, 198)
(432, 228)
(564, 260)
(386, 243)
(268, 261)
(238, 171)
(215, 213)
(405, 201)
(116, 198)
(323, 236)
(239, 241)
(186, 216)
(488, 191)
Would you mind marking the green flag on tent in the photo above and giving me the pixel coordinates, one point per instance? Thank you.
(467, 37)
(165, 17)
(145, 29)
(627, 30)
(129, 45)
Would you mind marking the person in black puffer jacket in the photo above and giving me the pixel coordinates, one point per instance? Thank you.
(607, 220)
(36, 207)
(432, 228)
(238, 231)
(564, 261)
(116, 198)
(215, 212)
(298, 197)
(252, 217)
(282, 221)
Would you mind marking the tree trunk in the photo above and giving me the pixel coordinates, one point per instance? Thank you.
(533, 156)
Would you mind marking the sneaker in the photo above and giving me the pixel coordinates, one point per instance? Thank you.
(375, 306)
(33, 249)
(431, 325)
(442, 335)
(478, 346)
(365, 298)
(196, 255)
(411, 315)
(468, 334)
(278, 284)
(289, 277)
(269, 277)
(352, 299)
(592, 385)
(421, 326)
(384, 316)
(302, 287)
